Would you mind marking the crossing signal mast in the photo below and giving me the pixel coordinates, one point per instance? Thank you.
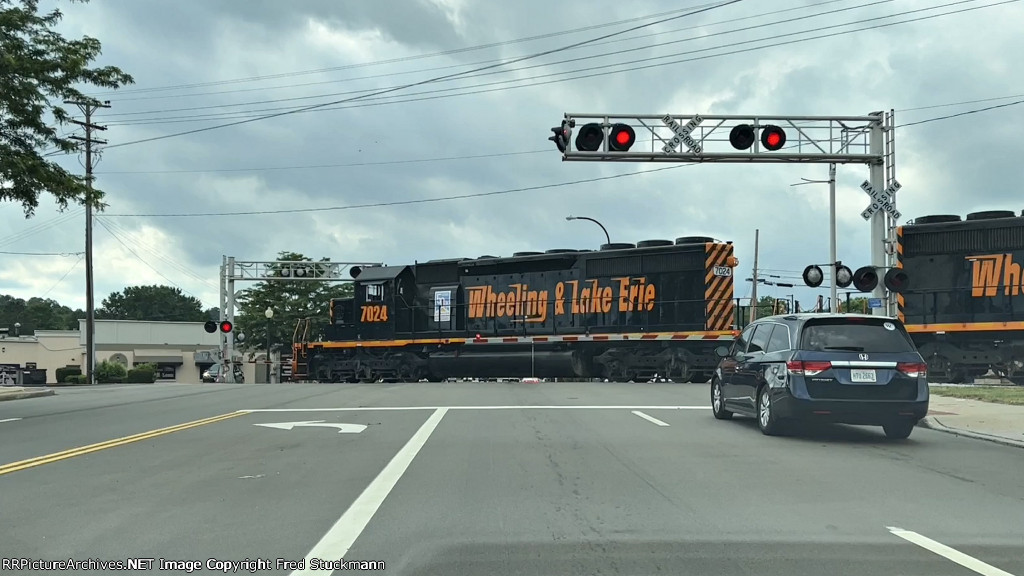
(232, 271)
(696, 138)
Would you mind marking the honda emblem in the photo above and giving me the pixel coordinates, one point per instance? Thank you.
(863, 356)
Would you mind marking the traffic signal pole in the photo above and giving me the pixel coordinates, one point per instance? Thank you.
(742, 139)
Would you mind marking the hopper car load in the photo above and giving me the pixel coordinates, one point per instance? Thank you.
(624, 312)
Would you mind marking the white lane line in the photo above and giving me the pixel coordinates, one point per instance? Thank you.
(402, 408)
(960, 558)
(339, 539)
(10, 420)
(651, 419)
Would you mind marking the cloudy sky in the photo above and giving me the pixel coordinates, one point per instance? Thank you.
(200, 64)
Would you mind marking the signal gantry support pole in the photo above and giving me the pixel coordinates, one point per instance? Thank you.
(232, 271)
(742, 139)
(87, 108)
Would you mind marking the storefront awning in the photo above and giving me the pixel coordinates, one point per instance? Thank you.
(157, 357)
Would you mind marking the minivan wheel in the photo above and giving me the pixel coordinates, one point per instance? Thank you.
(899, 430)
(718, 401)
(766, 419)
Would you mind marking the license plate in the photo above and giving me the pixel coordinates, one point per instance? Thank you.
(862, 375)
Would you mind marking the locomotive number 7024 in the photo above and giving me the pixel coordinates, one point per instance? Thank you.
(374, 314)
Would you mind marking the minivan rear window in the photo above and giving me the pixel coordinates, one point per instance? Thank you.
(856, 335)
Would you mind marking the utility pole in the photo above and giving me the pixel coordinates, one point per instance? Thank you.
(87, 108)
(753, 291)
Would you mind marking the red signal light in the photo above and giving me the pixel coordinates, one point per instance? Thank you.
(773, 138)
(621, 137)
(226, 326)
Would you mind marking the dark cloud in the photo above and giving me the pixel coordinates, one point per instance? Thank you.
(953, 166)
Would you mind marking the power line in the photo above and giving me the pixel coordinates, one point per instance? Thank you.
(464, 196)
(965, 113)
(140, 259)
(59, 282)
(478, 63)
(403, 58)
(502, 85)
(454, 158)
(132, 239)
(397, 203)
(348, 165)
(124, 120)
(431, 80)
(44, 253)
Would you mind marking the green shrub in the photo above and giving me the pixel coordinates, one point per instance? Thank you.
(78, 379)
(140, 376)
(110, 372)
(63, 373)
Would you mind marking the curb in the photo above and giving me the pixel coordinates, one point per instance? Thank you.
(932, 424)
(26, 394)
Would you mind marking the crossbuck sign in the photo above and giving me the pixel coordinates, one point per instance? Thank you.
(880, 200)
(682, 134)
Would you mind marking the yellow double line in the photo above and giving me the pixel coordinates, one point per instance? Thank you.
(57, 456)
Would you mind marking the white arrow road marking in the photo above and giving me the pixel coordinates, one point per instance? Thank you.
(651, 419)
(10, 420)
(342, 428)
(948, 553)
(341, 536)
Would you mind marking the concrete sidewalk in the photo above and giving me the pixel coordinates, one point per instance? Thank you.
(1002, 423)
(19, 392)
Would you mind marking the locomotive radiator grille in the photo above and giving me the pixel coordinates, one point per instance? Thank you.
(718, 287)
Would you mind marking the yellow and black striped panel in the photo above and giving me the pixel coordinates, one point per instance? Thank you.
(899, 264)
(718, 290)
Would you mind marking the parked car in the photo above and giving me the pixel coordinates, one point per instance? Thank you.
(841, 368)
(212, 374)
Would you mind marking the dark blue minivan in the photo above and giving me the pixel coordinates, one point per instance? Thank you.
(842, 368)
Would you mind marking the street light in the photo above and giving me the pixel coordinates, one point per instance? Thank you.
(606, 236)
(831, 222)
(269, 313)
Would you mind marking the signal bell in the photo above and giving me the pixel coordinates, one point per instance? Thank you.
(562, 135)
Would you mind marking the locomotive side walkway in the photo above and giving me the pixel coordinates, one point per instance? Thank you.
(1002, 423)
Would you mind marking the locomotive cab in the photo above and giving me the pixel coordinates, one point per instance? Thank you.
(383, 301)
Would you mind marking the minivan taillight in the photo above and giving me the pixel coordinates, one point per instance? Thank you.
(807, 368)
(913, 369)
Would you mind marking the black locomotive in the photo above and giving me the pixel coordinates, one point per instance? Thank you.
(964, 304)
(624, 312)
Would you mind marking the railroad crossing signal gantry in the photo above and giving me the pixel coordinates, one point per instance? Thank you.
(696, 138)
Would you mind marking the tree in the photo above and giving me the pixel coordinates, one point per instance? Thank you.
(290, 300)
(857, 305)
(36, 314)
(39, 69)
(153, 303)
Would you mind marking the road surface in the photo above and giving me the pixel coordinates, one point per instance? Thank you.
(488, 479)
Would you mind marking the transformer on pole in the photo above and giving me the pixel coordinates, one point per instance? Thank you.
(695, 138)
